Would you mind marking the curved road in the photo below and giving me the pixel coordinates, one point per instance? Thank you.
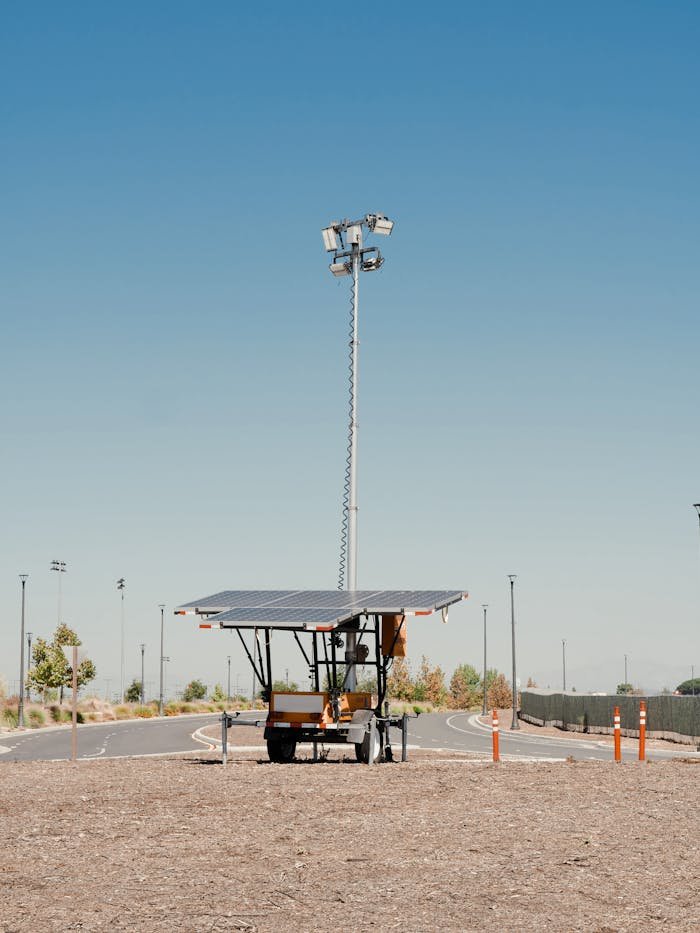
(448, 731)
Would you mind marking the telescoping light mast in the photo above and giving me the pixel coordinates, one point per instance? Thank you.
(350, 257)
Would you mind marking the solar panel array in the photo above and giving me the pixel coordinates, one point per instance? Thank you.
(300, 609)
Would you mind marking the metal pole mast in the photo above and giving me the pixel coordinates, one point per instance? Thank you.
(29, 664)
(228, 684)
(514, 724)
(120, 587)
(20, 702)
(563, 664)
(483, 707)
(351, 637)
(160, 691)
(143, 680)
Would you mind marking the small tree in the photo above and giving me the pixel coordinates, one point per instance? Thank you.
(465, 687)
(430, 684)
(195, 690)
(530, 682)
(624, 689)
(500, 696)
(281, 686)
(399, 683)
(217, 695)
(133, 692)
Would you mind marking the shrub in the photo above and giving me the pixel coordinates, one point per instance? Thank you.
(9, 717)
(499, 696)
(122, 712)
(37, 717)
(171, 709)
(143, 712)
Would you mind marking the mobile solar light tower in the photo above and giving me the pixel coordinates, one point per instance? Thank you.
(345, 240)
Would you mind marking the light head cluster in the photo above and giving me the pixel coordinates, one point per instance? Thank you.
(343, 238)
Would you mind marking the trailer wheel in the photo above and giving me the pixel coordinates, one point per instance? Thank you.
(281, 751)
(362, 748)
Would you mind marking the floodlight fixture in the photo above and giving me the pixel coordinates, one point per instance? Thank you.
(330, 239)
(340, 268)
(378, 223)
(372, 263)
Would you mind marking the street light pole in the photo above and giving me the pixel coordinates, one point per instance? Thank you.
(228, 682)
(120, 586)
(143, 681)
(29, 664)
(60, 567)
(484, 606)
(563, 664)
(20, 701)
(514, 723)
(161, 606)
(625, 672)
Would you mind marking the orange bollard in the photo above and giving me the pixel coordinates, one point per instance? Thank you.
(616, 725)
(642, 728)
(494, 733)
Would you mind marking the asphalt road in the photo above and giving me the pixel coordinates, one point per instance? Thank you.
(449, 731)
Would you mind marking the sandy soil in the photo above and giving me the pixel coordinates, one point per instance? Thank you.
(163, 844)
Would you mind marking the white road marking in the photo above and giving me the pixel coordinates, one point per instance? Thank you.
(96, 755)
(4, 749)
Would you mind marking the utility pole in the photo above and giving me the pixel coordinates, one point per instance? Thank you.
(484, 606)
(20, 699)
(563, 663)
(161, 606)
(143, 681)
(514, 724)
(626, 672)
(228, 682)
(344, 240)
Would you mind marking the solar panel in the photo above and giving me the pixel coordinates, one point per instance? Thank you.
(300, 609)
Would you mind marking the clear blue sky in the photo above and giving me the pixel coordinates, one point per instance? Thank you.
(173, 353)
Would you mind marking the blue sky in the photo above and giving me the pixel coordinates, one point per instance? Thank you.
(173, 360)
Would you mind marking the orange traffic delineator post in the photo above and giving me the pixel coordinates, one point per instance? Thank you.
(642, 728)
(494, 733)
(616, 729)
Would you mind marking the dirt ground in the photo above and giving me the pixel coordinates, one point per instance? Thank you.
(164, 844)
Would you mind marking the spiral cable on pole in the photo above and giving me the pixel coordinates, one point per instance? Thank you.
(342, 566)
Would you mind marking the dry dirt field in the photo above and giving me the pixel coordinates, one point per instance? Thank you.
(184, 844)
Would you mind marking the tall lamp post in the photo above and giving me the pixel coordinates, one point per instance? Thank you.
(143, 681)
(345, 240)
(484, 606)
(563, 665)
(161, 606)
(625, 672)
(228, 682)
(20, 701)
(29, 664)
(121, 583)
(514, 723)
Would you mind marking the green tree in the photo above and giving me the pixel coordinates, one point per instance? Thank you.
(51, 669)
(133, 692)
(465, 687)
(195, 690)
(399, 683)
(281, 686)
(366, 683)
(689, 687)
(624, 689)
(217, 695)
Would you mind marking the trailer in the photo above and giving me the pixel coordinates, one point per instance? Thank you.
(319, 621)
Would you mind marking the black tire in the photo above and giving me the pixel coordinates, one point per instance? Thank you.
(281, 751)
(362, 748)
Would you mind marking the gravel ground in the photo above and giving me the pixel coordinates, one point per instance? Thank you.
(163, 844)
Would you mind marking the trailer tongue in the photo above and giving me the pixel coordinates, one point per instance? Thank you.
(318, 620)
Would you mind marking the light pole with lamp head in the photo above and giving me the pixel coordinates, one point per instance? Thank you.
(161, 606)
(60, 567)
(121, 583)
(484, 710)
(345, 240)
(143, 682)
(228, 682)
(514, 723)
(29, 664)
(20, 700)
